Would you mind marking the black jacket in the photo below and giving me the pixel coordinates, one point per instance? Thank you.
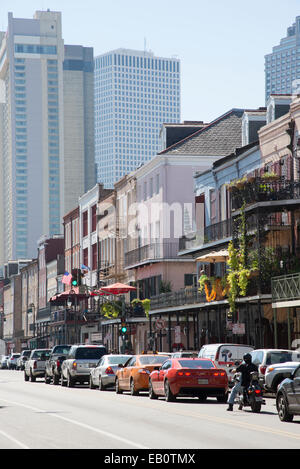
(245, 370)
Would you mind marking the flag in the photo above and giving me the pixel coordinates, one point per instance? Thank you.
(67, 278)
(84, 267)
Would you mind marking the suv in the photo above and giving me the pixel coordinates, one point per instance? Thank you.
(25, 354)
(263, 358)
(277, 373)
(53, 364)
(35, 365)
(12, 361)
(77, 366)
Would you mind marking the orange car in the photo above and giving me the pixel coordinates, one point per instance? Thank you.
(133, 376)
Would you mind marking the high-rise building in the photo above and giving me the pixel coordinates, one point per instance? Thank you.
(46, 129)
(135, 92)
(282, 66)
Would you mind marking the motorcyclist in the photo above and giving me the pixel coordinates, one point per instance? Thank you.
(245, 369)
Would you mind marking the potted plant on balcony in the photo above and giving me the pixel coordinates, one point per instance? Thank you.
(111, 309)
(270, 176)
(144, 303)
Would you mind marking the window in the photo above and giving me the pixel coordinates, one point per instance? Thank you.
(85, 223)
(94, 257)
(94, 217)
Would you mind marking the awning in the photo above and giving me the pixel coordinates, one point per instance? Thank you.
(214, 256)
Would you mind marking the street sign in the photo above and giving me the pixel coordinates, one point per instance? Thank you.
(160, 324)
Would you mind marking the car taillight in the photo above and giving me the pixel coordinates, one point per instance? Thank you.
(58, 363)
(257, 391)
(262, 369)
(183, 373)
(109, 371)
(34, 364)
(219, 373)
(74, 366)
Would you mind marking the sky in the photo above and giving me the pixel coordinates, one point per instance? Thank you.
(221, 44)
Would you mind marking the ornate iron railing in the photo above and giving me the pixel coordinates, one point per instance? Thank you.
(211, 233)
(286, 287)
(261, 190)
(181, 297)
(156, 251)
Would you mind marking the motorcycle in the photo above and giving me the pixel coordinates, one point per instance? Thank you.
(252, 396)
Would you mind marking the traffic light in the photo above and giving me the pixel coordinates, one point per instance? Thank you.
(76, 277)
(123, 327)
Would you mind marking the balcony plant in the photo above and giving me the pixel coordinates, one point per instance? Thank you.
(111, 309)
(270, 176)
(213, 286)
(145, 304)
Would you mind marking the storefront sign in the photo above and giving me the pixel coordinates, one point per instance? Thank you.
(238, 328)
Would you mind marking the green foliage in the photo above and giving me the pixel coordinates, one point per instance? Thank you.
(165, 287)
(202, 280)
(111, 309)
(146, 303)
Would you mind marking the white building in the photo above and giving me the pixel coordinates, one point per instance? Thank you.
(135, 92)
(46, 144)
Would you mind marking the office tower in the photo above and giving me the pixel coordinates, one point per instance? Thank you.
(135, 92)
(282, 66)
(46, 152)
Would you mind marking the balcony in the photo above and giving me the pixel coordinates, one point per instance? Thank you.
(260, 190)
(286, 288)
(154, 252)
(70, 317)
(185, 296)
(215, 232)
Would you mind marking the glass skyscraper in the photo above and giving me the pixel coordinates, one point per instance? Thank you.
(282, 66)
(135, 92)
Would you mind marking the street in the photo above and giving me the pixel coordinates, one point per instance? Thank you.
(40, 416)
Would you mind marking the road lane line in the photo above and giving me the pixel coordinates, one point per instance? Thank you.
(19, 443)
(83, 425)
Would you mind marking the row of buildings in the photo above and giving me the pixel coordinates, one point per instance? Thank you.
(207, 232)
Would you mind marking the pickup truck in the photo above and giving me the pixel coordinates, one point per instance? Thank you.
(277, 373)
(53, 364)
(77, 366)
(35, 365)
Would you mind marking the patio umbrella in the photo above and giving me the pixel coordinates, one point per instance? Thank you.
(214, 256)
(117, 289)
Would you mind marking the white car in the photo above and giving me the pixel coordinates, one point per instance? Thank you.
(12, 361)
(277, 373)
(264, 358)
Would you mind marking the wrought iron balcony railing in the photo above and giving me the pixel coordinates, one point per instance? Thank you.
(261, 190)
(211, 233)
(181, 297)
(286, 287)
(153, 251)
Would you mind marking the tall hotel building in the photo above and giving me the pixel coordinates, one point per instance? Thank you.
(135, 93)
(46, 131)
(282, 66)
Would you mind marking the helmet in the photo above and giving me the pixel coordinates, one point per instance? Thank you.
(247, 358)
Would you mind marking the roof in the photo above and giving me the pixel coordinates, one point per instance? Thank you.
(219, 138)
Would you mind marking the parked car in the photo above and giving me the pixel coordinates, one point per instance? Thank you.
(225, 356)
(35, 365)
(3, 363)
(185, 353)
(77, 366)
(25, 354)
(266, 357)
(12, 361)
(196, 377)
(53, 364)
(133, 376)
(103, 376)
(288, 397)
(277, 373)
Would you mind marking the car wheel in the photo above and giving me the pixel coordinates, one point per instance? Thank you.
(202, 397)
(70, 381)
(133, 392)
(118, 390)
(26, 377)
(101, 385)
(91, 384)
(223, 398)
(152, 394)
(55, 379)
(47, 379)
(282, 409)
(32, 378)
(168, 393)
(62, 382)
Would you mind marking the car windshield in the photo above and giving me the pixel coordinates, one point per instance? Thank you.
(281, 357)
(206, 364)
(117, 359)
(26, 353)
(150, 360)
(62, 349)
(87, 353)
(41, 354)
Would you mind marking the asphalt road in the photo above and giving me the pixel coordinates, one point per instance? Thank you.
(40, 416)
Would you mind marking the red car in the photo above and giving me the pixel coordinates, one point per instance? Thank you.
(196, 377)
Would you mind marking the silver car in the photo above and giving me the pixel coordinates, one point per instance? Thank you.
(277, 373)
(3, 364)
(103, 376)
(79, 362)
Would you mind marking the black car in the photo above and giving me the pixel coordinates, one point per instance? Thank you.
(288, 397)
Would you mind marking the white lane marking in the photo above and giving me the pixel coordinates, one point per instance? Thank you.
(88, 427)
(19, 443)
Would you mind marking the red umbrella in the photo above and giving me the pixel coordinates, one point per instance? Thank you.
(98, 293)
(117, 288)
